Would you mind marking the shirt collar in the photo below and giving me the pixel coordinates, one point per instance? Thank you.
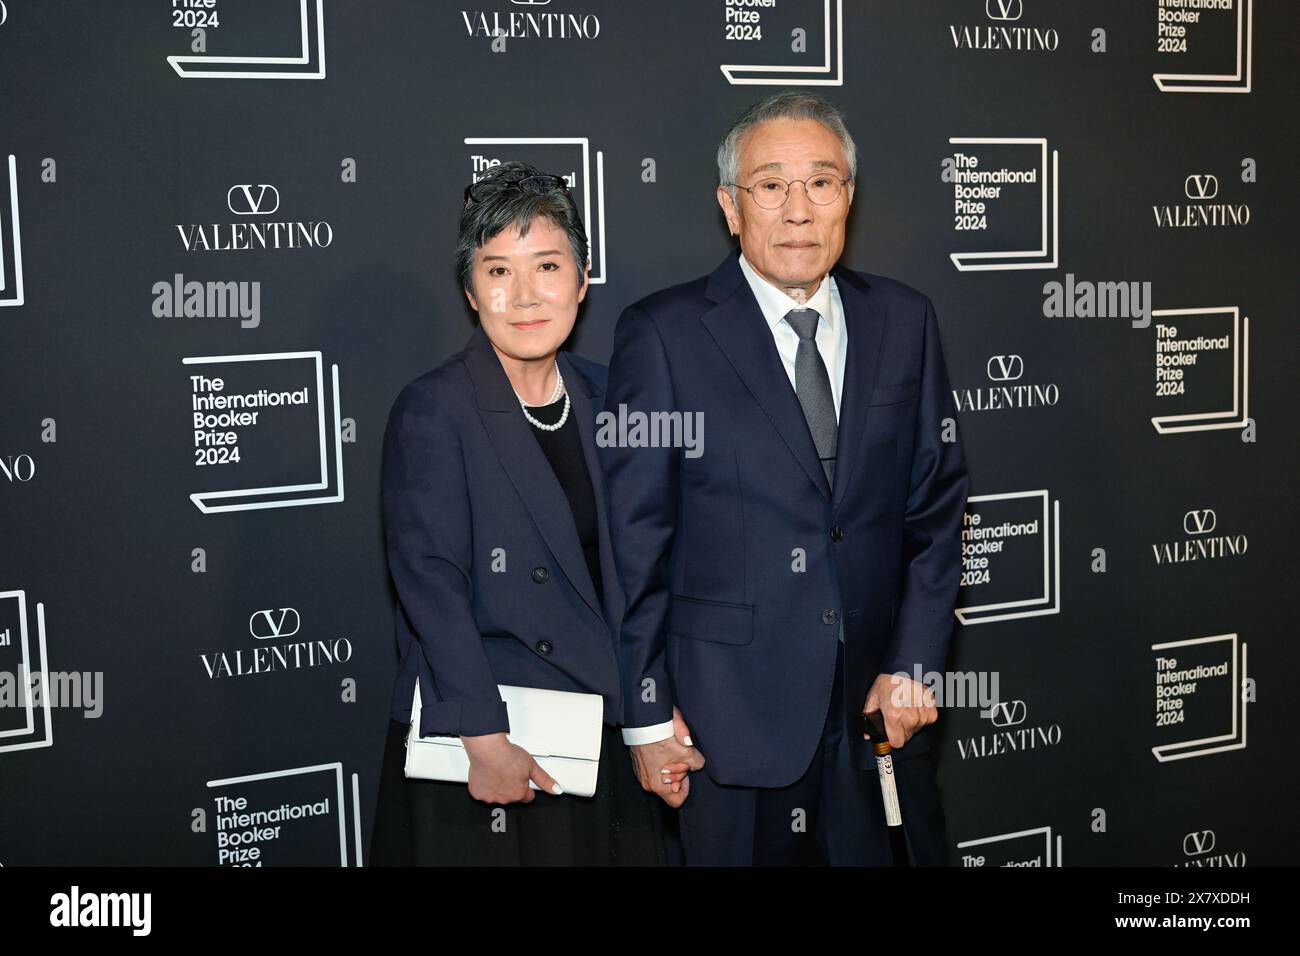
(775, 303)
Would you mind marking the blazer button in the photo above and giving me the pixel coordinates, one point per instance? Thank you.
(837, 533)
(544, 648)
(540, 575)
(829, 616)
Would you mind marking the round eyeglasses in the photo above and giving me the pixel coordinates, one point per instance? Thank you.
(772, 192)
(538, 184)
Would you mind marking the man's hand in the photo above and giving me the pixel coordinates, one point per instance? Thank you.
(499, 771)
(661, 766)
(904, 704)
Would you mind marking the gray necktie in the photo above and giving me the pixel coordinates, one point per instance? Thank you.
(813, 387)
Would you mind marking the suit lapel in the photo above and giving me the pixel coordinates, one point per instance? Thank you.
(737, 325)
(525, 463)
(865, 324)
(587, 400)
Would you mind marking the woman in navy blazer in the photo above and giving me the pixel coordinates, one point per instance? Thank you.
(498, 545)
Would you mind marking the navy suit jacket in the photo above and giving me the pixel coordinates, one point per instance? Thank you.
(718, 620)
(467, 490)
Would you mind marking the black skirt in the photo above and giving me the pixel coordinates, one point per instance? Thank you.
(437, 823)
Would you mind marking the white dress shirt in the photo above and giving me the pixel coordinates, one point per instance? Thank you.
(832, 338)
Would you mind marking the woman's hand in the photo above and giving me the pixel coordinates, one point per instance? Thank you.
(499, 771)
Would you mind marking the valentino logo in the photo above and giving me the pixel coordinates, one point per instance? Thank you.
(242, 202)
(1013, 734)
(271, 624)
(1201, 186)
(253, 203)
(274, 622)
(1004, 9)
(1008, 713)
(1200, 522)
(1005, 368)
(1198, 842)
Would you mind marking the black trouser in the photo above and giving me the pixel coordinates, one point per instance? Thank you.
(833, 814)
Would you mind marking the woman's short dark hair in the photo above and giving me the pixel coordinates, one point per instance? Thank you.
(482, 220)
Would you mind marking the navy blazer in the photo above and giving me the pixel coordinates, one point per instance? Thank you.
(719, 621)
(492, 585)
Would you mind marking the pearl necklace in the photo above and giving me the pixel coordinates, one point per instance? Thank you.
(555, 396)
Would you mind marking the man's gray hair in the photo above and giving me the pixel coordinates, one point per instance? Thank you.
(482, 221)
(792, 104)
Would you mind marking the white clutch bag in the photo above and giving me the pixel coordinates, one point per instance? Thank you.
(561, 729)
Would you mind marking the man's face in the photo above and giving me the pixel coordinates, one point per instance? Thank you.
(796, 244)
(526, 290)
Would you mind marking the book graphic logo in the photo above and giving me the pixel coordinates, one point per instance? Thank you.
(256, 420)
(1007, 188)
(829, 72)
(1011, 557)
(294, 817)
(1035, 847)
(1200, 706)
(570, 158)
(1202, 361)
(11, 244)
(1178, 33)
(27, 725)
(309, 64)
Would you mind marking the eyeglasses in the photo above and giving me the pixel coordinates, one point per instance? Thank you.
(538, 184)
(771, 193)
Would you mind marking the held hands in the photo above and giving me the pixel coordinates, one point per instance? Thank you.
(499, 771)
(661, 766)
(904, 704)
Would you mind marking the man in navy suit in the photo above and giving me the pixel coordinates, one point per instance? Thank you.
(778, 583)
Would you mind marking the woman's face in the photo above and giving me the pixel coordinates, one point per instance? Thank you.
(526, 290)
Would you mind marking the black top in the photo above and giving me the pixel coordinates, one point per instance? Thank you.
(563, 449)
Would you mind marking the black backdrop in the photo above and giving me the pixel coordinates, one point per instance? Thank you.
(234, 652)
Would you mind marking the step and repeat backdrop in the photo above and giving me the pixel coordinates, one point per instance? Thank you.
(206, 199)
